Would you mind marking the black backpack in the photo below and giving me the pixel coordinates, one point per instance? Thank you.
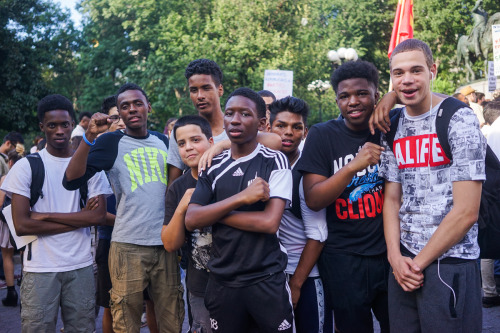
(37, 179)
(489, 212)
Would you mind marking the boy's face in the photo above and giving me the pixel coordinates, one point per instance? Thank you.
(116, 125)
(205, 94)
(192, 144)
(356, 99)
(291, 128)
(133, 109)
(411, 77)
(57, 126)
(241, 120)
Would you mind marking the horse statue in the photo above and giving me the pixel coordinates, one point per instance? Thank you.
(466, 48)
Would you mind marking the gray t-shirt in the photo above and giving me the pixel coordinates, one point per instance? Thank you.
(137, 172)
(418, 162)
(173, 153)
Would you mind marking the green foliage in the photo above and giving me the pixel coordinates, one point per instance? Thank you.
(150, 42)
(37, 47)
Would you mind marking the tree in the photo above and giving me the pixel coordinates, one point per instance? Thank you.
(37, 40)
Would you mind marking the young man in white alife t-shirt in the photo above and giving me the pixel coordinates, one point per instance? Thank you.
(58, 267)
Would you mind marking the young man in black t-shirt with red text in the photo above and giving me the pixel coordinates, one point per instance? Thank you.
(242, 196)
(340, 166)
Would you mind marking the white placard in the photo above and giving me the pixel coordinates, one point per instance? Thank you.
(280, 83)
(20, 240)
(495, 34)
(492, 79)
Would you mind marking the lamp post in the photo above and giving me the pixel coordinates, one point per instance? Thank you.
(341, 55)
(320, 87)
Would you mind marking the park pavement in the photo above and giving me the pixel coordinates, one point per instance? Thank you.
(10, 319)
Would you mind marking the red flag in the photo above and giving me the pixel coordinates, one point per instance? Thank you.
(403, 24)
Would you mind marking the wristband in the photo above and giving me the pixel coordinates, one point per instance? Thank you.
(87, 141)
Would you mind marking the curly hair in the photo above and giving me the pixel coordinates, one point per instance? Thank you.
(253, 96)
(206, 67)
(354, 70)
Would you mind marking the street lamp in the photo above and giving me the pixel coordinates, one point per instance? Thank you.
(341, 55)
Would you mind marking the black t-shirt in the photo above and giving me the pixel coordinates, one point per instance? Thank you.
(355, 218)
(199, 242)
(241, 258)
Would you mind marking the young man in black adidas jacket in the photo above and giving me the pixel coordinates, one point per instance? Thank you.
(242, 196)
(58, 266)
(431, 235)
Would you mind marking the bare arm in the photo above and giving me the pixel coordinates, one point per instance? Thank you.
(380, 116)
(173, 234)
(81, 219)
(78, 163)
(320, 191)
(307, 260)
(25, 225)
(270, 140)
(173, 173)
(401, 266)
(456, 224)
(198, 216)
(266, 221)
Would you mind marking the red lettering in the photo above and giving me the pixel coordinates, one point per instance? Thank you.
(419, 151)
(379, 200)
(369, 202)
(361, 209)
(351, 212)
(338, 203)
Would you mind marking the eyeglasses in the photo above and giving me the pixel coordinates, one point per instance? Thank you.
(115, 118)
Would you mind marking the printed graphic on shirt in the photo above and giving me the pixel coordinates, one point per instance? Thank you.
(419, 151)
(201, 243)
(418, 162)
(144, 166)
(365, 193)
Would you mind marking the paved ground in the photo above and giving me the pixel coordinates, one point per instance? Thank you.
(10, 321)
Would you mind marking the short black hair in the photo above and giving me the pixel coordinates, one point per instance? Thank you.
(254, 97)
(83, 115)
(193, 120)
(54, 102)
(290, 104)
(108, 103)
(358, 69)
(206, 67)
(14, 138)
(491, 111)
(267, 93)
(129, 86)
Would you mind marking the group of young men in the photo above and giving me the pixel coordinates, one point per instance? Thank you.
(276, 237)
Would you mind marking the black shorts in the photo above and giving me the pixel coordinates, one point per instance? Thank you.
(354, 286)
(266, 305)
(103, 278)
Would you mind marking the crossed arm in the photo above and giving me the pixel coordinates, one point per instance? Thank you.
(28, 223)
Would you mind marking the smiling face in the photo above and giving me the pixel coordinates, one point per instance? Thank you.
(192, 144)
(411, 79)
(356, 100)
(291, 129)
(57, 126)
(134, 109)
(205, 94)
(241, 120)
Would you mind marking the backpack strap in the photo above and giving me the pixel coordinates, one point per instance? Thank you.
(389, 136)
(446, 110)
(37, 177)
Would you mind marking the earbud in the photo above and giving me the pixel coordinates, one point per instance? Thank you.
(432, 76)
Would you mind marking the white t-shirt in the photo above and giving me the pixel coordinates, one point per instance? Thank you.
(78, 131)
(62, 252)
